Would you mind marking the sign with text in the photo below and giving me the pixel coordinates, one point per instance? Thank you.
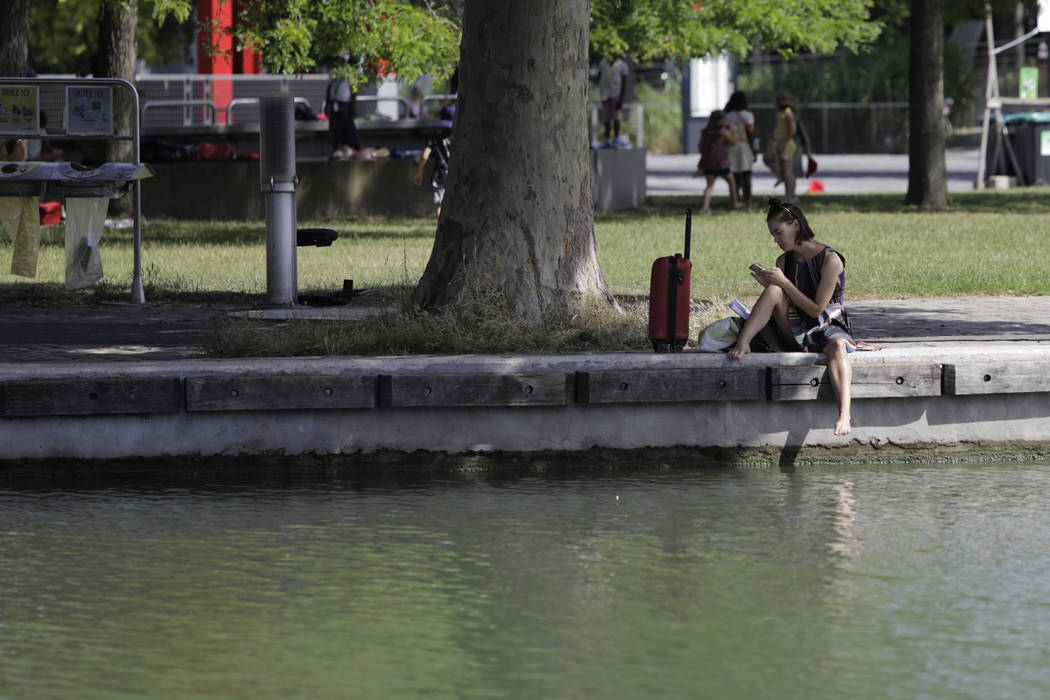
(1029, 87)
(19, 110)
(89, 111)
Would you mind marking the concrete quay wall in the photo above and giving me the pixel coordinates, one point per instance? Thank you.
(904, 397)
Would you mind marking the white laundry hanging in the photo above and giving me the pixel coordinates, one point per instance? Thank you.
(20, 217)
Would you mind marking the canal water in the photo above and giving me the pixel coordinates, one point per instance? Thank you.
(858, 582)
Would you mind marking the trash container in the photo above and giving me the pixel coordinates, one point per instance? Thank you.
(1029, 134)
(1040, 128)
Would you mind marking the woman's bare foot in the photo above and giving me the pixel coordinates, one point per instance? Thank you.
(842, 426)
(738, 351)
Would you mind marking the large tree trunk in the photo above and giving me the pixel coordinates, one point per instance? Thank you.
(117, 54)
(927, 179)
(14, 44)
(518, 214)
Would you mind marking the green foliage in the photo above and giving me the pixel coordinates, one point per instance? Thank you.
(63, 34)
(406, 37)
(879, 75)
(662, 29)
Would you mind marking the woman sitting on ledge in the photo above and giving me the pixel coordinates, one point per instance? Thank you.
(803, 298)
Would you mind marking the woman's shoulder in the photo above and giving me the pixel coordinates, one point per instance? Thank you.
(831, 256)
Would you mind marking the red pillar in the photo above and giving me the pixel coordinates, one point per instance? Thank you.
(220, 61)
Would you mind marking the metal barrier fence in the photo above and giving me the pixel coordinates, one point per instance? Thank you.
(190, 100)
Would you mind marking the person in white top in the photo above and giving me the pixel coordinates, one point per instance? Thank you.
(741, 154)
(612, 81)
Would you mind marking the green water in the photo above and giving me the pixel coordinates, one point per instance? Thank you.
(865, 582)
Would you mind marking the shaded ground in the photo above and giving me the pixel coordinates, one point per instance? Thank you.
(132, 332)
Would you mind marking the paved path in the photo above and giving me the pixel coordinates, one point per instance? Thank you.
(840, 174)
(121, 332)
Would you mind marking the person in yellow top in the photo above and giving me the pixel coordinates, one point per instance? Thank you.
(784, 144)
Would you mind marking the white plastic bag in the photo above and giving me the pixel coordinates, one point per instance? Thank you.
(85, 217)
(721, 335)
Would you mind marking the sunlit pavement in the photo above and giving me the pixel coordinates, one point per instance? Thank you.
(836, 174)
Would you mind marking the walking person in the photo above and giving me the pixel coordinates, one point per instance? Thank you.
(715, 142)
(784, 144)
(741, 122)
(438, 150)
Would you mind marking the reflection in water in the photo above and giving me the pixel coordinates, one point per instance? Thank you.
(748, 583)
(843, 541)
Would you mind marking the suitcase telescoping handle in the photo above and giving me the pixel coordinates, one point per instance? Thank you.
(688, 230)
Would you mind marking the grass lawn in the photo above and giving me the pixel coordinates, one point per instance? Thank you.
(989, 243)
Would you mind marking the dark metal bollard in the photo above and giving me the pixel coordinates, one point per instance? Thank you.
(278, 181)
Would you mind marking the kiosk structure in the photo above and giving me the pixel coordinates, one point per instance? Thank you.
(87, 115)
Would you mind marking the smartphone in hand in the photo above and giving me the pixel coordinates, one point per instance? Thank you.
(756, 268)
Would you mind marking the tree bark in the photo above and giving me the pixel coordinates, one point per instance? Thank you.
(14, 45)
(117, 55)
(927, 178)
(518, 214)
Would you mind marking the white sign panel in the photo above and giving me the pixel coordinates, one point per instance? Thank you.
(89, 111)
(19, 110)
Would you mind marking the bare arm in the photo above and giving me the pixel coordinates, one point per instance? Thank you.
(829, 275)
(805, 139)
(417, 179)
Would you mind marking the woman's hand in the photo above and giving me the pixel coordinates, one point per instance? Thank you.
(775, 276)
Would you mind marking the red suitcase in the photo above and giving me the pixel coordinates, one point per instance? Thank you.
(669, 297)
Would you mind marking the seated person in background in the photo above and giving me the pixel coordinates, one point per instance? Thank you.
(41, 149)
(15, 149)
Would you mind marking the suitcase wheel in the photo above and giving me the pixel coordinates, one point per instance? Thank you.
(662, 346)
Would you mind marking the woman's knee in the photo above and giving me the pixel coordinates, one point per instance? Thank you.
(837, 349)
(774, 293)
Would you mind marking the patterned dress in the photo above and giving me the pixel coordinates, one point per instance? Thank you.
(832, 323)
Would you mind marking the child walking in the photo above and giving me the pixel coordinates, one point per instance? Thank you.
(715, 140)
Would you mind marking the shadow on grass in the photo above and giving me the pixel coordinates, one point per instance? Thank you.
(254, 232)
(55, 295)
